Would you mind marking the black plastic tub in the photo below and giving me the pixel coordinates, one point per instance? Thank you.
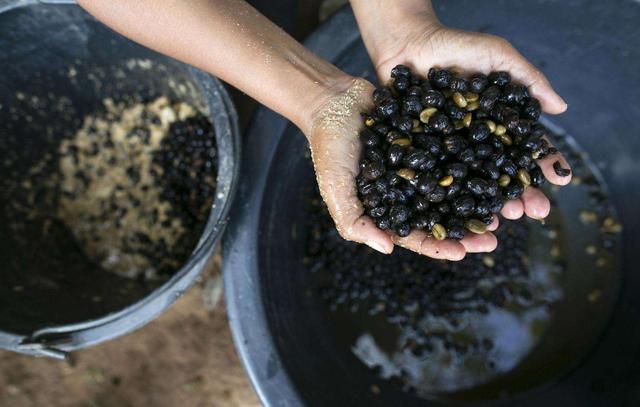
(286, 339)
(65, 63)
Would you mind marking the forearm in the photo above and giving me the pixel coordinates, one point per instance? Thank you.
(383, 23)
(231, 40)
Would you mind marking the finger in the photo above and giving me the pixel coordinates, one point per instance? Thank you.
(474, 243)
(335, 150)
(494, 225)
(546, 165)
(513, 209)
(421, 243)
(536, 204)
(527, 74)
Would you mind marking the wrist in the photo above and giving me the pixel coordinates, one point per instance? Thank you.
(317, 92)
(388, 27)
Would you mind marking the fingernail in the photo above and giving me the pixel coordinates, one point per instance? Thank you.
(376, 246)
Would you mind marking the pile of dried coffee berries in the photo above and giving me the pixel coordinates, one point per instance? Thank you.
(445, 153)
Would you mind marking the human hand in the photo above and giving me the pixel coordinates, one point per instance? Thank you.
(336, 150)
(415, 38)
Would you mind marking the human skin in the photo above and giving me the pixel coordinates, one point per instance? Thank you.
(231, 40)
(408, 32)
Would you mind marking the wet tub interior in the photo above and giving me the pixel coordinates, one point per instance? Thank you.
(478, 346)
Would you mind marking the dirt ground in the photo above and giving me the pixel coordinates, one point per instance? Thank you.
(184, 358)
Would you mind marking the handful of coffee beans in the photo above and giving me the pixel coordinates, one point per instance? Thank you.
(443, 154)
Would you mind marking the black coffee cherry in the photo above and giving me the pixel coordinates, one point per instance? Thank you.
(415, 91)
(483, 150)
(402, 123)
(476, 165)
(459, 85)
(438, 121)
(437, 195)
(454, 190)
(393, 178)
(537, 178)
(524, 160)
(395, 154)
(455, 232)
(463, 205)
(412, 106)
(489, 97)
(403, 230)
(466, 156)
(369, 138)
(433, 98)
(513, 190)
(492, 188)
(401, 84)
(560, 171)
(432, 144)
(477, 186)
(419, 222)
(380, 95)
(457, 170)
(487, 219)
(372, 199)
(381, 129)
(383, 222)
(514, 94)
(509, 168)
(388, 108)
(382, 185)
(479, 131)
(429, 163)
(426, 183)
(408, 190)
(399, 195)
(491, 170)
(497, 158)
(453, 111)
(496, 204)
(399, 214)
(440, 78)
(443, 208)
(532, 143)
(378, 211)
(482, 208)
(432, 219)
(414, 159)
(400, 71)
(374, 154)
(373, 170)
(453, 144)
(496, 143)
(500, 78)
(521, 128)
(366, 187)
(478, 83)
(420, 203)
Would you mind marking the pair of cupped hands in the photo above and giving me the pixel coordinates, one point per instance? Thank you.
(337, 121)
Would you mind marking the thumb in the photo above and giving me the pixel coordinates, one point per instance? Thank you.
(338, 190)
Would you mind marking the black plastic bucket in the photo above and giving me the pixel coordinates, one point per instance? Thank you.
(58, 55)
(280, 325)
